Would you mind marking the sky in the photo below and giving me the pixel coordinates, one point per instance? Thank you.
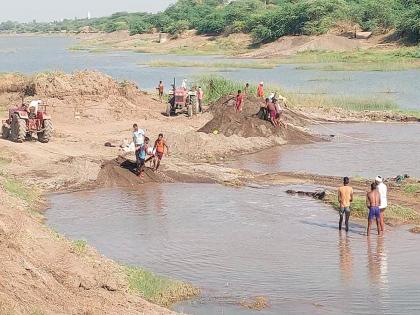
(50, 10)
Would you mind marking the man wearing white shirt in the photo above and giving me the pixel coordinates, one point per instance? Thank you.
(138, 140)
(383, 190)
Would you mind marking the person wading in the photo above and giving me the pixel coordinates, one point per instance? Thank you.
(383, 191)
(345, 197)
(372, 203)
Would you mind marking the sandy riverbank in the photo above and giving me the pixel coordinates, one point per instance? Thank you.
(88, 110)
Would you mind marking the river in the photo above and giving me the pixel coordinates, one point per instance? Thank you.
(357, 149)
(236, 244)
(29, 54)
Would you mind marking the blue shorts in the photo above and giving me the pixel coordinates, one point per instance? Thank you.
(374, 212)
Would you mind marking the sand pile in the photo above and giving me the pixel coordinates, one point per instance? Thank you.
(246, 124)
(81, 95)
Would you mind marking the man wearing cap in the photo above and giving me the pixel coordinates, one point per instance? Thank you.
(383, 190)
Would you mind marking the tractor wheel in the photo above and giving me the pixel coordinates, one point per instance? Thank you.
(18, 129)
(5, 132)
(45, 135)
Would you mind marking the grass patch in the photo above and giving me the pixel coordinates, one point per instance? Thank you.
(411, 189)
(216, 87)
(358, 60)
(218, 65)
(157, 289)
(19, 190)
(79, 246)
(392, 214)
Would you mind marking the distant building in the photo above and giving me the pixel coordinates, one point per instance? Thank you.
(88, 15)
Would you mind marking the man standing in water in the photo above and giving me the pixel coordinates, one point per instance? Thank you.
(345, 197)
(382, 189)
(372, 202)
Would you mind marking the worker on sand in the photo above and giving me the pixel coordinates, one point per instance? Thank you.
(271, 108)
(246, 89)
(345, 197)
(260, 90)
(239, 101)
(184, 84)
(138, 140)
(200, 97)
(383, 190)
(160, 89)
(372, 203)
(159, 147)
(142, 153)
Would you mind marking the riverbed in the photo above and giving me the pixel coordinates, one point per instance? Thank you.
(30, 54)
(236, 244)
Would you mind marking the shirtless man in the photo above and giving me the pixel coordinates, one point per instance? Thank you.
(271, 108)
(373, 202)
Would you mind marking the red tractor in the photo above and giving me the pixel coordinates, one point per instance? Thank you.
(23, 124)
(179, 99)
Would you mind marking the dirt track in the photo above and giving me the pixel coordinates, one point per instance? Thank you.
(41, 270)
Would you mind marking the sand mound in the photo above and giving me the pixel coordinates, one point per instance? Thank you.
(246, 124)
(81, 95)
(291, 45)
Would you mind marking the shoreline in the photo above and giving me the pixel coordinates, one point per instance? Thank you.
(77, 158)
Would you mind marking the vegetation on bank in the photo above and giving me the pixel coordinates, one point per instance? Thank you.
(394, 213)
(216, 87)
(158, 289)
(215, 65)
(265, 20)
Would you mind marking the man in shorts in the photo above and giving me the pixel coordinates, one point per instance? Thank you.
(142, 152)
(271, 108)
(373, 202)
(345, 197)
(383, 190)
(159, 147)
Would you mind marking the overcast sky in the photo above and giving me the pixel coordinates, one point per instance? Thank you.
(49, 10)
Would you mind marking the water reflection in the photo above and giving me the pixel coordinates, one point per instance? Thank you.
(377, 261)
(346, 259)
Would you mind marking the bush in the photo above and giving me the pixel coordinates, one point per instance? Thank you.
(139, 27)
(178, 27)
(408, 23)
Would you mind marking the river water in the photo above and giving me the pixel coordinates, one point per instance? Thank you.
(236, 244)
(33, 54)
(359, 149)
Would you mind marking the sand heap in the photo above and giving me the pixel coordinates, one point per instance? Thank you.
(246, 124)
(81, 95)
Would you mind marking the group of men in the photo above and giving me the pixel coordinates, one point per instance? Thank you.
(376, 202)
(145, 152)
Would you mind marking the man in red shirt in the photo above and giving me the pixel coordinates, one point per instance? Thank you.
(260, 90)
(239, 101)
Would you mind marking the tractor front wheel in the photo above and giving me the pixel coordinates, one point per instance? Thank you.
(18, 129)
(45, 135)
(5, 132)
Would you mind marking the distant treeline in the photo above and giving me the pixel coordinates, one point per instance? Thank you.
(265, 20)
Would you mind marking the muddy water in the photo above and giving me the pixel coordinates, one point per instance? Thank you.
(241, 243)
(365, 149)
(33, 54)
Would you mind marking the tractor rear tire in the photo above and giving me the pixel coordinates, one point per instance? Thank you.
(18, 129)
(5, 132)
(46, 134)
